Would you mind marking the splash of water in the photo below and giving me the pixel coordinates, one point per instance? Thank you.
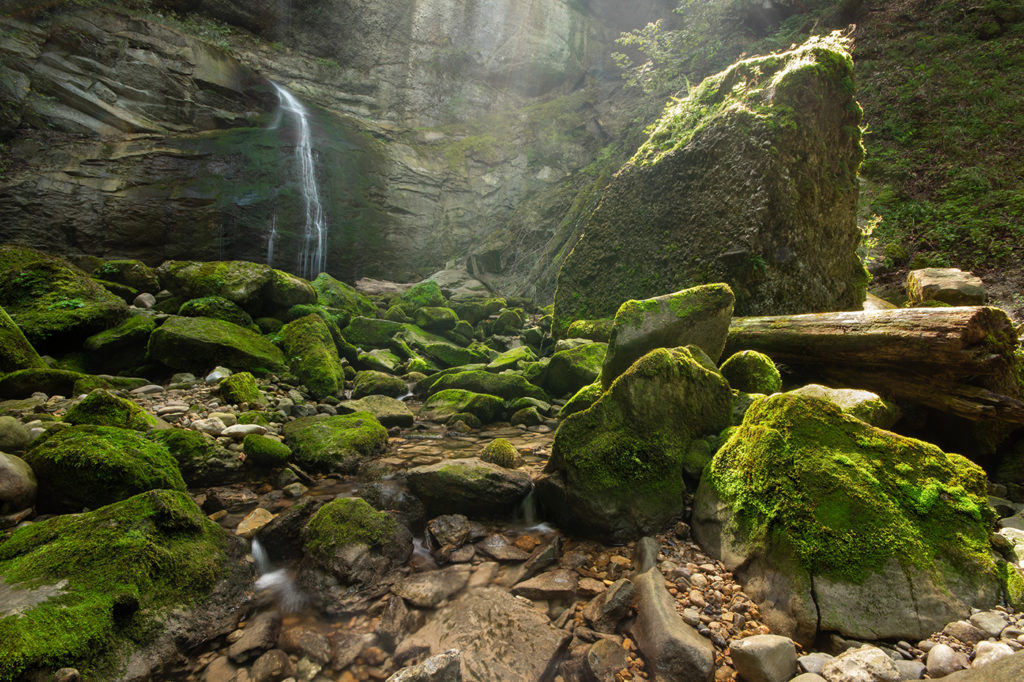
(270, 241)
(278, 582)
(313, 254)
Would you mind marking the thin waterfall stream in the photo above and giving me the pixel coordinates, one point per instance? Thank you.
(312, 258)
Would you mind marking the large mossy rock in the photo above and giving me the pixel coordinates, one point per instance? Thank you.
(445, 404)
(15, 350)
(835, 525)
(217, 307)
(507, 385)
(699, 316)
(334, 294)
(372, 382)
(121, 348)
(572, 369)
(469, 486)
(131, 273)
(96, 587)
(203, 462)
(751, 372)
(90, 466)
(199, 343)
(313, 356)
(338, 443)
(103, 408)
(54, 303)
(257, 288)
(750, 180)
(622, 459)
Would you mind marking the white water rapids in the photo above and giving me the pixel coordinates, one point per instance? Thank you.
(313, 254)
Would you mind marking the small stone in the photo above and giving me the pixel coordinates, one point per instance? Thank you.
(987, 652)
(910, 670)
(229, 418)
(866, 664)
(295, 490)
(220, 670)
(446, 667)
(764, 658)
(989, 622)
(217, 375)
(259, 635)
(942, 660)
(604, 659)
(148, 389)
(965, 632)
(213, 427)
(691, 617)
(255, 520)
(306, 641)
(240, 431)
(588, 587)
(271, 667)
(557, 584)
(814, 662)
(144, 300)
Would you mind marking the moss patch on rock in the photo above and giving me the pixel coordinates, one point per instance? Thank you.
(445, 404)
(218, 308)
(572, 369)
(425, 294)
(334, 294)
(264, 451)
(372, 382)
(501, 452)
(241, 387)
(594, 330)
(346, 521)
(313, 356)
(337, 443)
(749, 371)
(507, 385)
(90, 466)
(15, 350)
(103, 408)
(199, 343)
(121, 568)
(201, 459)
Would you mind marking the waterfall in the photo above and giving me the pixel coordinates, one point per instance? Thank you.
(278, 582)
(270, 241)
(313, 254)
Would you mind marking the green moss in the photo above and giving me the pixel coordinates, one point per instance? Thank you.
(89, 466)
(448, 403)
(199, 343)
(253, 417)
(507, 385)
(582, 399)
(313, 356)
(509, 322)
(241, 387)
(335, 443)
(595, 330)
(367, 332)
(156, 550)
(334, 294)
(1013, 581)
(512, 359)
(15, 350)
(264, 451)
(501, 452)
(751, 372)
(103, 408)
(218, 308)
(371, 382)
(422, 295)
(829, 484)
(240, 282)
(202, 461)
(25, 382)
(133, 331)
(132, 273)
(435, 318)
(346, 521)
(570, 370)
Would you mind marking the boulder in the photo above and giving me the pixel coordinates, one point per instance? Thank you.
(750, 180)
(14, 437)
(255, 287)
(764, 658)
(698, 316)
(469, 486)
(15, 350)
(423, 294)
(428, 589)
(152, 560)
(863, 663)
(121, 348)
(198, 343)
(622, 459)
(513, 358)
(103, 408)
(891, 532)
(592, 330)
(673, 650)
(501, 452)
(265, 451)
(369, 332)
(202, 460)
(446, 667)
(312, 355)
(435, 319)
(499, 637)
(751, 372)
(863, 405)
(443, 405)
(218, 308)
(54, 303)
(339, 443)
(582, 399)
(507, 385)
(570, 370)
(17, 484)
(90, 466)
(371, 382)
(241, 387)
(132, 273)
(951, 286)
(334, 294)
(388, 411)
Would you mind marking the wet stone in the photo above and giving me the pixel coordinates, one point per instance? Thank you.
(305, 640)
(553, 585)
(258, 636)
(499, 548)
(450, 529)
(428, 589)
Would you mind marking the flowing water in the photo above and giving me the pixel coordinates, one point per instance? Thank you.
(313, 253)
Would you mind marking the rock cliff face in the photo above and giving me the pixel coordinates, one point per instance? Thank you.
(150, 132)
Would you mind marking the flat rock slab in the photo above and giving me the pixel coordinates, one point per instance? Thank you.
(469, 486)
(500, 637)
(946, 285)
(560, 584)
(427, 590)
(674, 650)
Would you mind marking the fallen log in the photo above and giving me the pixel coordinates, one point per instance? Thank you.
(963, 361)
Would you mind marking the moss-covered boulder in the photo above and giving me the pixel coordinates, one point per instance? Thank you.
(425, 294)
(217, 307)
(474, 310)
(501, 452)
(435, 319)
(592, 330)
(622, 459)
(103, 408)
(353, 542)
(100, 586)
(241, 387)
(90, 466)
(570, 370)
(199, 343)
(54, 303)
(506, 385)
(699, 316)
(847, 527)
(510, 321)
(582, 399)
(864, 405)
(750, 180)
(369, 332)
(241, 282)
(25, 382)
(334, 294)
(203, 462)
(15, 350)
(751, 372)
(372, 382)
(312, 355)
(121, 348)
(513, 358)
(132, 273)
(285, 290)
(388, 411)
(380, 360)
(469, 486)
(337, 443)
(264, 451)
(445, 404)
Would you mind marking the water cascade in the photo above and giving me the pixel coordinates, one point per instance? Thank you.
(270, 241)
(279, 582)
(313, 254)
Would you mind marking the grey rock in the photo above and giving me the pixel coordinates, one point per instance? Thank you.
(500, 637)
(814, 662)
(220, 670)
(989, 652)
(305, 641)
(991, 623)
(449, 529)
(965, 632)
(144, 300)
(604, 658)
(388, 411)
(430, 588)
(646, 555)
(240, 431)
(863, 405)
(469, 486)
(391, 626)
(446, 667)
(552, 585)
(271, 667)
(764, 658)
(498, 547)
(942, 660)
(259, 635)
(18, 484)
(673, 649)
(910, 670)
(606, 610)
(1009, 669)
(946, 285)
(13, 435)
(866, 664)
